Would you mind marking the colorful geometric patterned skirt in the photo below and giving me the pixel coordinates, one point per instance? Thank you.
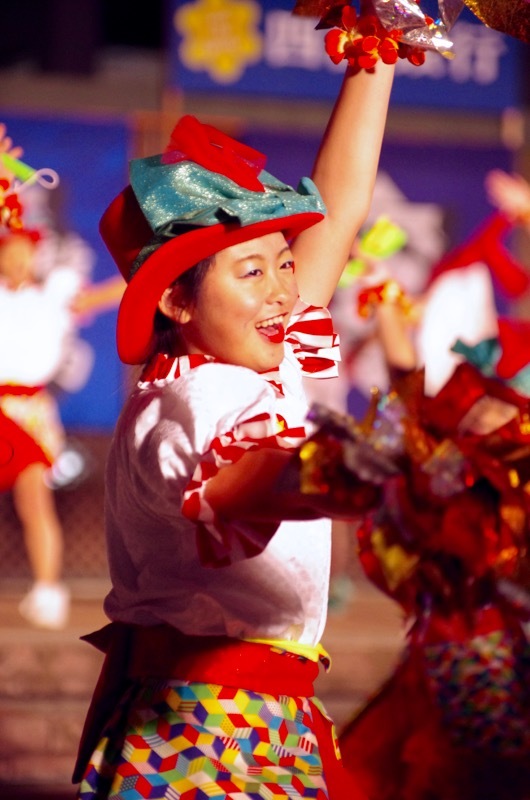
(196, 740)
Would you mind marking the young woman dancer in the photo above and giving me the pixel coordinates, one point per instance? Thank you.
(219, 563)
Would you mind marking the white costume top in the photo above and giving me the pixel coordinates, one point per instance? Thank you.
(35, 322)
(460, 304)
(182, 421)
(35, 328)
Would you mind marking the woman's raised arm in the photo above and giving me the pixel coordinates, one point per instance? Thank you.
(345, 172)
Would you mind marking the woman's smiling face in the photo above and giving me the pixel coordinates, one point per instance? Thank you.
(244, 304)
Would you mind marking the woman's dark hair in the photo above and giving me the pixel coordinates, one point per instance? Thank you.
(166, 338)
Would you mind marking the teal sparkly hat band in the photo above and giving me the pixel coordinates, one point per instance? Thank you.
(181, 195)
(205, 193)
(185, 194)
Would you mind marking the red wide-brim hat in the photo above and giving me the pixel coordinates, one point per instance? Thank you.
(207, 192)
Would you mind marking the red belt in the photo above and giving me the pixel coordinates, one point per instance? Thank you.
(164, 652)
(26, 390)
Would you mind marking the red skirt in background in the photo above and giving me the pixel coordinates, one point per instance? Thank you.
(31, 431)
(17, 451)
(401, 745)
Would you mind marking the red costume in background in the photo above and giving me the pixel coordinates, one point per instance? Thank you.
(450, 546)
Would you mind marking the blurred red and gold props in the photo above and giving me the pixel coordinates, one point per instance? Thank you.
(456, 475)
(401, 29)
(382, 30)
(340, 462)
(15, 177)
(10, 207)
(450, 544)
(508, 16)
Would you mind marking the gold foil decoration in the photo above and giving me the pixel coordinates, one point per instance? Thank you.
(524, 423)
(367, 423)
(418, 443)
(507, 16)
(312, 462)
(515, 517)
(397, 565)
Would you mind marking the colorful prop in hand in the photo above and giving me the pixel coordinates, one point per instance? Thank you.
(392, 31)
(401, 29)
(387, 293)
(17, 177)
(340, 462)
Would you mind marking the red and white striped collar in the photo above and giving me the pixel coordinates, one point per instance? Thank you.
(169, 368)
(309, 332)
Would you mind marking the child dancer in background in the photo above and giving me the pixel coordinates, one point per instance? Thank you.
(39, 315)
(219, 564)
(35, 321)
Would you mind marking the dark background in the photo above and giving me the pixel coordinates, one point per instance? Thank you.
(67, 35)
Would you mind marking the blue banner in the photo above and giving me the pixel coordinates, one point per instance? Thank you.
(262, 49)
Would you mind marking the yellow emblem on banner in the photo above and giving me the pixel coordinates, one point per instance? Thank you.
(220, 37)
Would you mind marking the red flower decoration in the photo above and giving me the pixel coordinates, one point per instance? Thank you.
(362, 41)
(10, 207)
(412, 54)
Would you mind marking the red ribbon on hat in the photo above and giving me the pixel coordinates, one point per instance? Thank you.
(191, 140)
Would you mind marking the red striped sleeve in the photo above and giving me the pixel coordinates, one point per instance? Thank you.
(222, 542)
(314, 341)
